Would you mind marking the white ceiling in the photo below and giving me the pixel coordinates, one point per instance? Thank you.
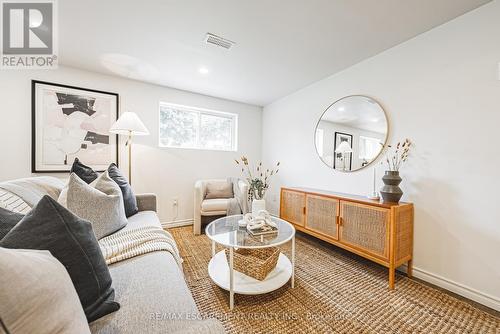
(282, 45)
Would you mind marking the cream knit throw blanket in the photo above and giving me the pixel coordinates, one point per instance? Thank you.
(125, 244)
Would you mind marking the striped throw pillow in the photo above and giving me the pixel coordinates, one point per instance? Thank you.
(13, 202)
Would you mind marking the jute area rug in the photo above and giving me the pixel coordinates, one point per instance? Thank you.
(335, 292)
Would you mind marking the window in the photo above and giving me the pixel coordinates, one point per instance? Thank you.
(189, 127)
(369, 148)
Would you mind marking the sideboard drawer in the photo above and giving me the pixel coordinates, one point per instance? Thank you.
(365, 227)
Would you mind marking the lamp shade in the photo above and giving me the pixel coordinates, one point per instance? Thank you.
(129, 124)
(344, 147)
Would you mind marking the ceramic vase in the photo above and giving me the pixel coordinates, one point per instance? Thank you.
(258, 205)
(391, 193)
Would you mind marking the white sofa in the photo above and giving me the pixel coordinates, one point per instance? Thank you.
(214, 206)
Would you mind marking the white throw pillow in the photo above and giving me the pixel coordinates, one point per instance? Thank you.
(37, 295)
(101, 203)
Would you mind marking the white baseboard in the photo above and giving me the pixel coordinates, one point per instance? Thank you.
(177, 223)
(459, 289)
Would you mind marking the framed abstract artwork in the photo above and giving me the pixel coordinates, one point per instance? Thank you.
(69, 122)
(342, 154)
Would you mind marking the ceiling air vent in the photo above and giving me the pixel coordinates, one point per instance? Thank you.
(219, 41)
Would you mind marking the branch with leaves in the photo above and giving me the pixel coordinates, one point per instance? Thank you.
(257, 177)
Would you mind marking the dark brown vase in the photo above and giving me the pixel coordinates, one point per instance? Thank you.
(391, 193)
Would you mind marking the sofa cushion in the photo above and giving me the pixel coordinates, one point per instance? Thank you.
(84, 172)
(143, 218)
(219, 189)
(100, 202)
(129, 199)
(37, 294)
(147, 286)
(8, 219)
(71, 240)
(217, 204)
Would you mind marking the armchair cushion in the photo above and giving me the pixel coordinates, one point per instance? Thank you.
(239, 192)
(216, 204)
(219, 189)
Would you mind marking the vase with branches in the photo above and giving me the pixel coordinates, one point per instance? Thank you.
(395, 156)
(258, 178)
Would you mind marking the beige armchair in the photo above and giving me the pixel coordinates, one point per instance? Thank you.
(204, 207)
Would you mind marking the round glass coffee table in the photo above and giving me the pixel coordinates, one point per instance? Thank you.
(226, 232)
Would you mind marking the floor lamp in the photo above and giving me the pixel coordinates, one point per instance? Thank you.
(129, 124)
(344, 148)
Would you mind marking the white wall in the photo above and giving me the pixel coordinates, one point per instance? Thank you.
(170, 173)
(442, 90)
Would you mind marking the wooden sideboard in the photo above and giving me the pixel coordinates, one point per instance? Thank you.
(380, 232)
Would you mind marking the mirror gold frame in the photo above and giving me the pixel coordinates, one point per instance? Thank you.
(383, 140)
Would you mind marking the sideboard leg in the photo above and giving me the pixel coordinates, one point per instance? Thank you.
(409, 269)
(392, 273)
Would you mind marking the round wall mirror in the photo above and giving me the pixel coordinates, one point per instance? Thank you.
(351, 133)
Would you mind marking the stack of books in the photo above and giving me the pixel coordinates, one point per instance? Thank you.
(266, 229)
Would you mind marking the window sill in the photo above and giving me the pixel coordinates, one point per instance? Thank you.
(197, 148)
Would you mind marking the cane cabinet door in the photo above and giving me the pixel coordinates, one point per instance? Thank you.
(292, 206)
(366, 228)
(322, 215)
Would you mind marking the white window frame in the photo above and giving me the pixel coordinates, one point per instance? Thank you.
(370, 139)
(201, 111)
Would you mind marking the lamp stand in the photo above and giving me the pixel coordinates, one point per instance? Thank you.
(374, 195)
(129, 143)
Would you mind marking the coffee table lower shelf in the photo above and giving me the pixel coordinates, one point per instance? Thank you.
(218, 270)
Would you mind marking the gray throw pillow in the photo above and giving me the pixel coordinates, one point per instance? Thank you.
(37, 294)
(129, 199)
(84, 172)
(8, 219)
(100, 202)
(219, 189)
(70, 239)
